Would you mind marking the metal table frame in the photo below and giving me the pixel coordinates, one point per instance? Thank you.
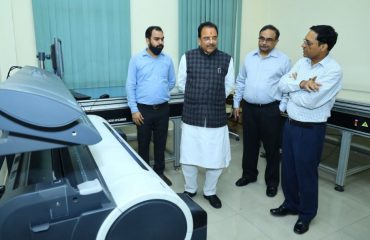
(347, 116)
(117, 113)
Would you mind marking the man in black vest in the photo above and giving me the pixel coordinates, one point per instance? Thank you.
(206, 75)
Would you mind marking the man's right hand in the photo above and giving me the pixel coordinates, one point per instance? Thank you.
(137, 118)
(310, 85)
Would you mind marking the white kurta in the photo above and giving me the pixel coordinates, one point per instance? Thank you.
(201, 146)
(205, 147)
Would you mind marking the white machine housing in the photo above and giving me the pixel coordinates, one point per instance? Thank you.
(72, 176)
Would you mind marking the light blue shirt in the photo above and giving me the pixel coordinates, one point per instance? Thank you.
(149, 79)
(259, 77)
(312, 106)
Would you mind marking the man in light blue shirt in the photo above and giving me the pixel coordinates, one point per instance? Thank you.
(257, 87)
(151, 77)
(312, 85)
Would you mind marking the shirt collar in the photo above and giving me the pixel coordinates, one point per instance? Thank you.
(323, 61)
(211, 54)
(145, 53)
(273, 53)
(326, 60)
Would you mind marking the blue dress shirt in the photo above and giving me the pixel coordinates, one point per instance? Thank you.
(308, 106)
(259, 77)
(149, 79)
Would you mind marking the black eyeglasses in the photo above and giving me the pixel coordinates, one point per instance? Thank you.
(268, 40)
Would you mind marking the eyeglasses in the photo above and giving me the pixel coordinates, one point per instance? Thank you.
(307, 43)
(268, 40)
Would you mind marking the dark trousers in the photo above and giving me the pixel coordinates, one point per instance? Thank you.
(302, 148)
(156, 122)
(261, 124)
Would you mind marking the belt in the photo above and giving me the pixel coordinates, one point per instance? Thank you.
(262, 105)
(154, 107)
(304, 124)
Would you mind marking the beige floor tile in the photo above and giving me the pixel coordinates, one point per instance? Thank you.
(358, 230)
(234, 227)
(245, 211)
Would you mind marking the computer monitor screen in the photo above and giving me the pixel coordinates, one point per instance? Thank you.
(56, 56)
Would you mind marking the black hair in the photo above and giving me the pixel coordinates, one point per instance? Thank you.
(325, 34)
(149, 30)
(273, 28)
(206, 24)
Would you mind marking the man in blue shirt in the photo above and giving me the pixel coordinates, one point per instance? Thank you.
(151, 77)
(312, 85)
(257, 85)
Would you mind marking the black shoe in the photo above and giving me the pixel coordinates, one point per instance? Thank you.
(244, 181)
(190, 194)
(282, 211)
(214, 201)
(271, 191)
(301, 227)
(165, 179)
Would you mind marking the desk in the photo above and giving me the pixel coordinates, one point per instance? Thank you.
(351, 115)
(116, 111)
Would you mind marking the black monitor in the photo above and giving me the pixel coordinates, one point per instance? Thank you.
(56, 56)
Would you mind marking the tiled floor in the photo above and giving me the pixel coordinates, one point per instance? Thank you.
(245, 211)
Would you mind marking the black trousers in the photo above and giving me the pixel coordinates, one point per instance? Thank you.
(155, 122)
(262, 123)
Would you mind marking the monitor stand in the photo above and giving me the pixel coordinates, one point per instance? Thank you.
(79, 96)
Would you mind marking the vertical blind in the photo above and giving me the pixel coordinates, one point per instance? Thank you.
(226, 14)
(95, 39)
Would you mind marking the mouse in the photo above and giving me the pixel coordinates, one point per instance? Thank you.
(105, 95)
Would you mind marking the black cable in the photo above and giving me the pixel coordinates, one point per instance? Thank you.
(11, 69)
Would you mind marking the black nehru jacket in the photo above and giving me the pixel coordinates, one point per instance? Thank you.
(204, 100)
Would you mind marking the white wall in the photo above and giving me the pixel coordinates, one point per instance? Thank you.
(17, 43)
(292, 17)
(295, 17)
(163, 13)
